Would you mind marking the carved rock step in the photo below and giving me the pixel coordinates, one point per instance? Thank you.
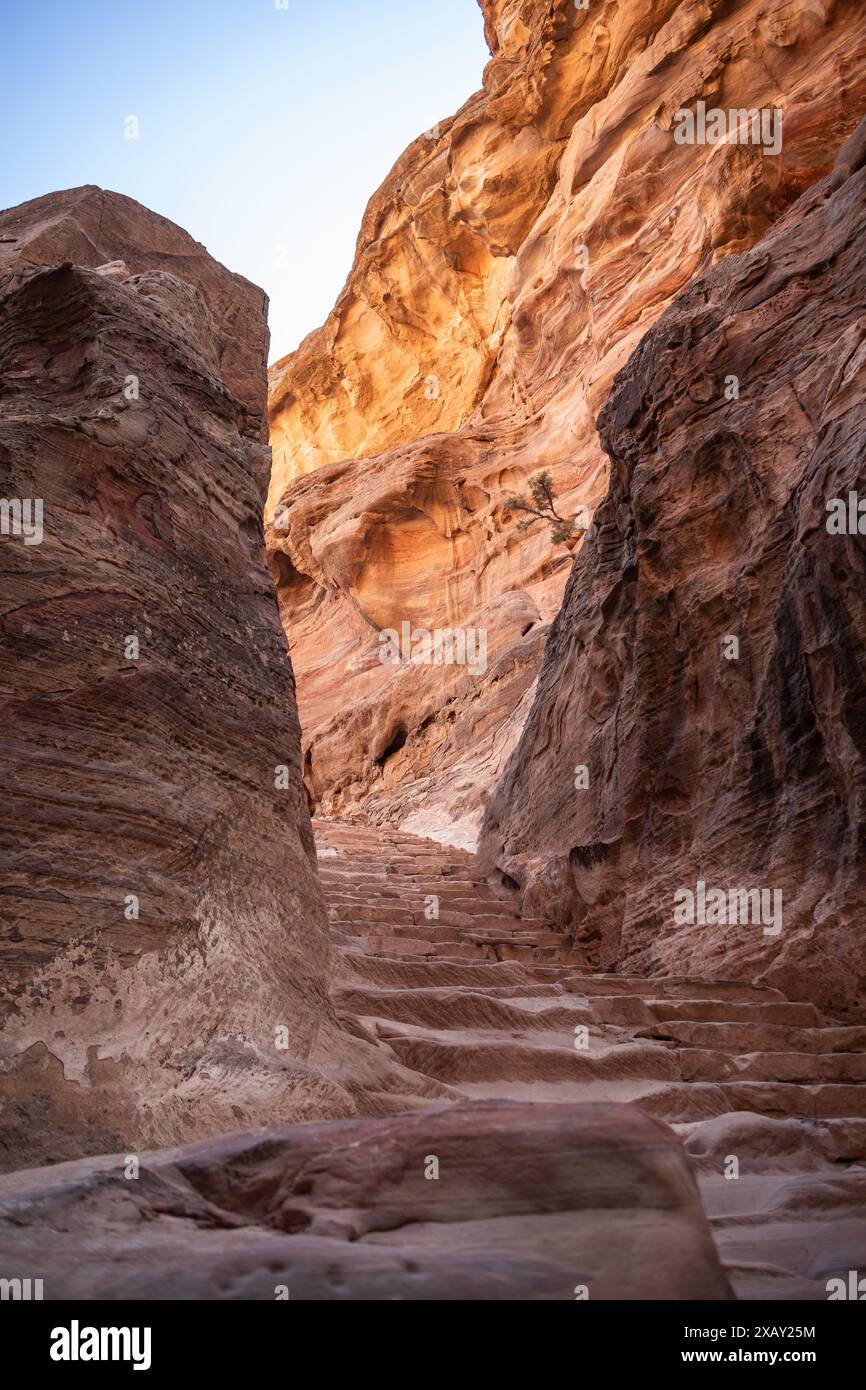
(456, 897)
(394, 873)
(391, 973)
(674, 987)
(632, 1011)
(481, 1004)
(455, 1058)
(375, 942)
(807, 1068)
(401, 917)
(449, 1007)
(755, 1037)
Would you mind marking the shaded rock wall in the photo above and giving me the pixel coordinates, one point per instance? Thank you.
(739, 766)
(132, 396)
(505, 270)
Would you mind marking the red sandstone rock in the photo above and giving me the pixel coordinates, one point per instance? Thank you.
(530, 1202)
(91, 227)
(744, 772)
(505, 271)
(148, 778)
(486, 1004)
(119, 1033)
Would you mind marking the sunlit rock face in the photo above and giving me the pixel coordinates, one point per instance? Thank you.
(708, 667)
(161, 913)
(505, 272)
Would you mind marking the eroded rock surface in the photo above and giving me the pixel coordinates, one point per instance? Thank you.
(505, 271)
(530, 1202)
(742, 765)
(90, 226)
(436, 966)
(161, 914)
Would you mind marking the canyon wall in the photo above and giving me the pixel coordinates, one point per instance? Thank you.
(505, 271)
(707, 670)
(161, 914)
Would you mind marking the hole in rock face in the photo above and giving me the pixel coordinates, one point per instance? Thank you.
(587, 856)
(397, 742)
(509, 882)
(287, 579)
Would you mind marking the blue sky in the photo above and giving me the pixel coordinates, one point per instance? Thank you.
(262, 130)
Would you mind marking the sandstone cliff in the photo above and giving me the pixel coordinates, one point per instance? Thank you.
(505, 271)
(709, 662)
(161, 912)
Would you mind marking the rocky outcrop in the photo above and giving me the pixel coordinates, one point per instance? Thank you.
(505, 271)
(707, 670)
(163, 946)
(488, 1201)
(91, 227)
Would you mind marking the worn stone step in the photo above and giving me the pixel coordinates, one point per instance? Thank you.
(455, 1058)
(393, 973)
(806, 1068)
(399, 947)
(766, 1143)
(676, 987)
(368, 912)
(467, 1008)
(481, 1003)
(758, 1037)
(452, 899)
(696, 1100)
(826, 1100)
(642, 1011)
(337, 871)
(483, 925)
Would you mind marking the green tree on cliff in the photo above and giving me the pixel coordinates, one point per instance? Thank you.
(541, 506)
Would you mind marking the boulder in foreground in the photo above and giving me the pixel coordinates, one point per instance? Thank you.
(532, 1201)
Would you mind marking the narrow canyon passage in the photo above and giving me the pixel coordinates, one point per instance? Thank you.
(548, 544)
(492, 1006)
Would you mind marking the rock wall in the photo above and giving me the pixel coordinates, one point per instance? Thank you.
(161, 911)
(505, 271)
(708, 667)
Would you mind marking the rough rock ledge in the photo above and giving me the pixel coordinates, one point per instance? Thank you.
(531, 1202)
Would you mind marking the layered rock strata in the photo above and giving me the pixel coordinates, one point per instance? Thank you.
(163, 944)
(707, 670)
(505, 271)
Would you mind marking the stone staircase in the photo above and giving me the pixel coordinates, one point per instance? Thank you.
(434, 964)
